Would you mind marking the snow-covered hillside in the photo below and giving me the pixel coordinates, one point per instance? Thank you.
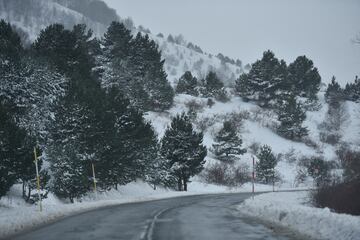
(31, 16)
(257, 128)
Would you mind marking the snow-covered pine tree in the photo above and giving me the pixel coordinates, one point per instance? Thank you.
(15, 151)
(264, 80)
(67, 151)
(330, 128)
(291, 116)
(183, 148)
(113, 61)
(334, 93)
(265, 167)
(242, 87)
(304, 78)
(227, 143)
(187, 84)
(69, 175)
(352, 90)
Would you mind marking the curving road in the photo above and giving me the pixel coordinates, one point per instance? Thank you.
(208, 217)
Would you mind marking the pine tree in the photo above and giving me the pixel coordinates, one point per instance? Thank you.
(68, 151)
(334, 93)
(212, 84)
(70, 179)
(242, 87)
(264, 81)
(291, 116)
(15, 151)
(304, 78)
(265, 167)
(187, 84)
(184, 150)
(228, 144)
(352, 90)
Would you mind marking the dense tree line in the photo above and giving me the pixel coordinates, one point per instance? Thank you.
(81, 101)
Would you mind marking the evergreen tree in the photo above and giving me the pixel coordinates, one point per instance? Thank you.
(184, 150)
(187, 84)
(265, 167)
(213, 83)
(352, 90)
(242, 87)
(334, 93)
(291, 116)
(67, 151)
(10, 48)
(304, 78)
(228, 144)
(264, 81)
(70, 179)
(15, 151)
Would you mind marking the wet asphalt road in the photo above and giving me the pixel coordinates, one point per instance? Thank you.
(207, 217)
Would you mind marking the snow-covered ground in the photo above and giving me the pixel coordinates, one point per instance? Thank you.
(293, 210)
(16, 215)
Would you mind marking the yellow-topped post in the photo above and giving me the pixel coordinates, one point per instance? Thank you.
(37, 178)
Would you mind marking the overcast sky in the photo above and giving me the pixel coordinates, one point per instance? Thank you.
(323, 30)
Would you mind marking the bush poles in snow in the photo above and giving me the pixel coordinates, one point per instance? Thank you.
(37, 178)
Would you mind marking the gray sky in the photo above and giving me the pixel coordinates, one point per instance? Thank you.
(323, 30)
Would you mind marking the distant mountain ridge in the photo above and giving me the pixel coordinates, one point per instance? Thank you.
(31, 16)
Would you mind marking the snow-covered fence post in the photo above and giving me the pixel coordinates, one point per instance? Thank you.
(37, 178)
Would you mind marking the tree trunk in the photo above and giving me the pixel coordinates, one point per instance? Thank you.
(185, 185)
(179, 184)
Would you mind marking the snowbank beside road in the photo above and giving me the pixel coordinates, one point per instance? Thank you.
(292, 210)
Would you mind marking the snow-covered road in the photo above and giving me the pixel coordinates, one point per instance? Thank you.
(192, 217)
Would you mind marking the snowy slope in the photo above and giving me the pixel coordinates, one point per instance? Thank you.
(179, 58)
(258, 129)
(31, 16)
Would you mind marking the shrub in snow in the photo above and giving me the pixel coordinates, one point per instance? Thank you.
(350, 160)
(318, 169)
(340, 197)
(210, 102)
(227, 174)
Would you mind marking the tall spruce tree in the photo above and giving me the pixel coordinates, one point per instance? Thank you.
(291, 116)
(265, 167)
(183, 148)
(228, 143)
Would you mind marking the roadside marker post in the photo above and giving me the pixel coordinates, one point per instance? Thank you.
(94, 178)
(37, 179)
(253, 177)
